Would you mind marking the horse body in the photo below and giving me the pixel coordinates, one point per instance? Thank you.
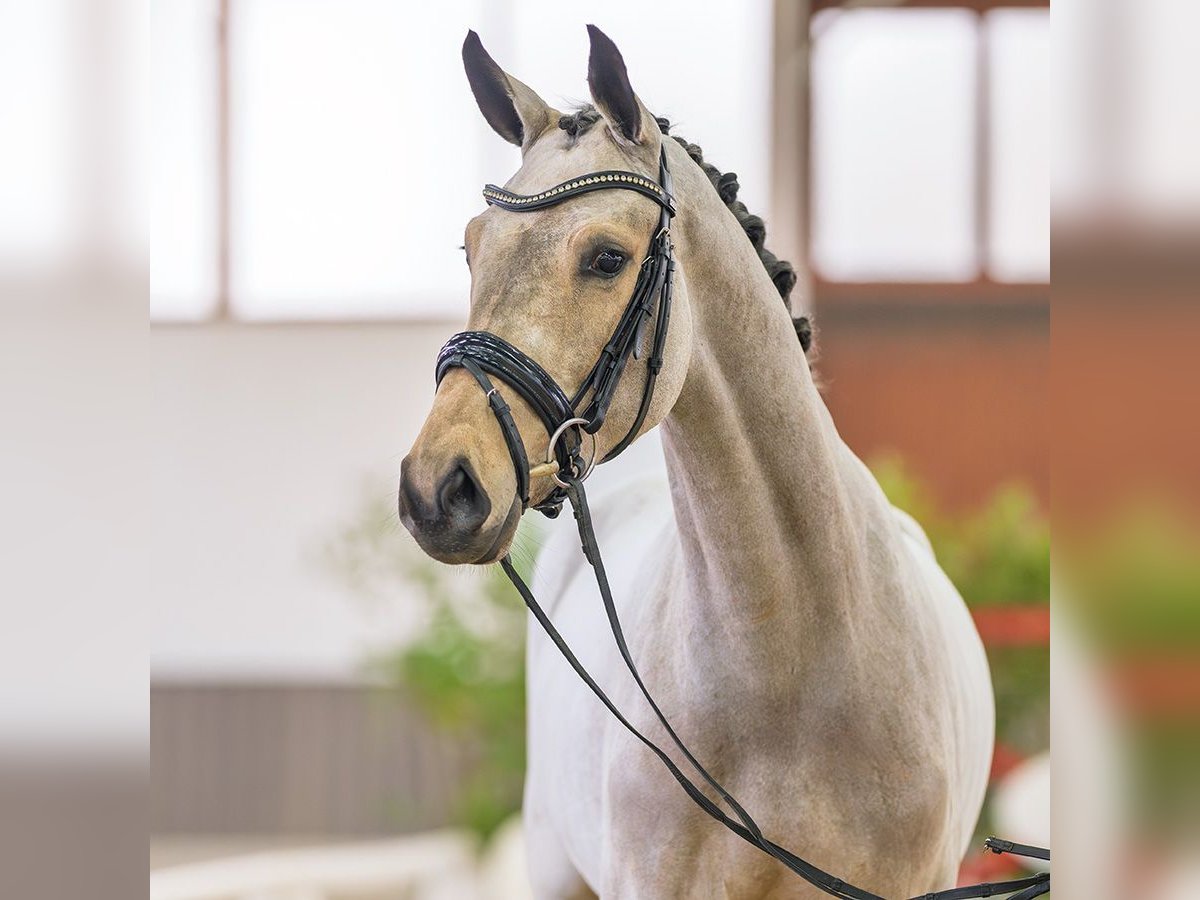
(603, 817)
(794, 627)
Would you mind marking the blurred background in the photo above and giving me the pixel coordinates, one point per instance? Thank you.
(326, 725)
(325, 722)
(316, 682)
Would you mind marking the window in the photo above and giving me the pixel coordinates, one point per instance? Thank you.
(352, 179)
(929, 144)
(319, 159)
(290, 180)
(183, 212)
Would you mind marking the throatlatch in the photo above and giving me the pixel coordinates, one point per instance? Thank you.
(566, 420)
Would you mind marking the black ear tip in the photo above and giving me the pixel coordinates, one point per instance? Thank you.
(472, 45)
(474, 54)
(600, 40)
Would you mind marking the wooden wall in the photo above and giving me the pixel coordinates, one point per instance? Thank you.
(297, 759)
(959, 390)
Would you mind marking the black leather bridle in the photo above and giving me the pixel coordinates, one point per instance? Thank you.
(482, 353)
(566, 419)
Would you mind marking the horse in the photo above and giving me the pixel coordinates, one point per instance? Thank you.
(796, 628)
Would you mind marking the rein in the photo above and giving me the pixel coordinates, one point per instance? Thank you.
(566, 420)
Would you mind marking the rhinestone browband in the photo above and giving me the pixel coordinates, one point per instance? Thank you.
(498, 196)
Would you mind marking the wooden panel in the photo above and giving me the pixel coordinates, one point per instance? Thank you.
(291, 759)
(958, 391)
(1124, 398)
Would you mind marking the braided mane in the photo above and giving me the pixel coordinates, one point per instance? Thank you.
(782, 273)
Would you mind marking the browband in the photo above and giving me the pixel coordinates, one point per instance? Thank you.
(583, 184)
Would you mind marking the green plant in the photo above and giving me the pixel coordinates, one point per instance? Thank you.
(1132, 580)
(470, 682)
(1138, 578)
(465, 670)
(998, 554)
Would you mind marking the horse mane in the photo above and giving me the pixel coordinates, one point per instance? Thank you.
(782, 273)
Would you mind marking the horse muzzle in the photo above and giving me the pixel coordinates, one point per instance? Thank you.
(448, 512)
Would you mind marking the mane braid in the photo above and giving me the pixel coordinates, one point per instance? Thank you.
(782, 273)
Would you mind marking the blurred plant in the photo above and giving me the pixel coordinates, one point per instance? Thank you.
(1140, 575)
(1134, 578)
(470, 682)
(466, 669)
(998, 554)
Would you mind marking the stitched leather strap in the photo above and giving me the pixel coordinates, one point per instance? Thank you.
(481, 351)
(600, 385)
(508, 427)
(1042, 887)
(498, 357)
(998, 846)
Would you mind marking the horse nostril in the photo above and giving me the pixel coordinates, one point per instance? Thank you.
(408, 498)
(457, 490)
(461, 498)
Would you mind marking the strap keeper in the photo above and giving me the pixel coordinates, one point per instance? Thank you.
(495, 401)
(998, 846)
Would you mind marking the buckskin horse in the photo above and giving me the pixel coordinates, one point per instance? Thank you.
(795, 629)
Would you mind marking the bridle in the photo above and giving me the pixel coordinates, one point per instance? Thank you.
(566, 420)
(482, 353)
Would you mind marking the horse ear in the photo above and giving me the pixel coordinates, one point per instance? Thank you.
(513, 109)
(611, 91)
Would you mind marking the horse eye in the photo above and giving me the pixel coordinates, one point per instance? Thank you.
(608, 262)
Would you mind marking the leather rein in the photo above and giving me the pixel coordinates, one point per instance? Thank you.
(566, 420)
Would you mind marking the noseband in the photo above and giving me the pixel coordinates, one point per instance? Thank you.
(566, 420)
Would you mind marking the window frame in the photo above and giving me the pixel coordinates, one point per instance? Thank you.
(791, 167)
(791, 172)
(222, 311)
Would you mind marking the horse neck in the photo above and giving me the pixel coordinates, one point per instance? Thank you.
(769, 502)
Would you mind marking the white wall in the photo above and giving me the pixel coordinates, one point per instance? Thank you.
(269, 441)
